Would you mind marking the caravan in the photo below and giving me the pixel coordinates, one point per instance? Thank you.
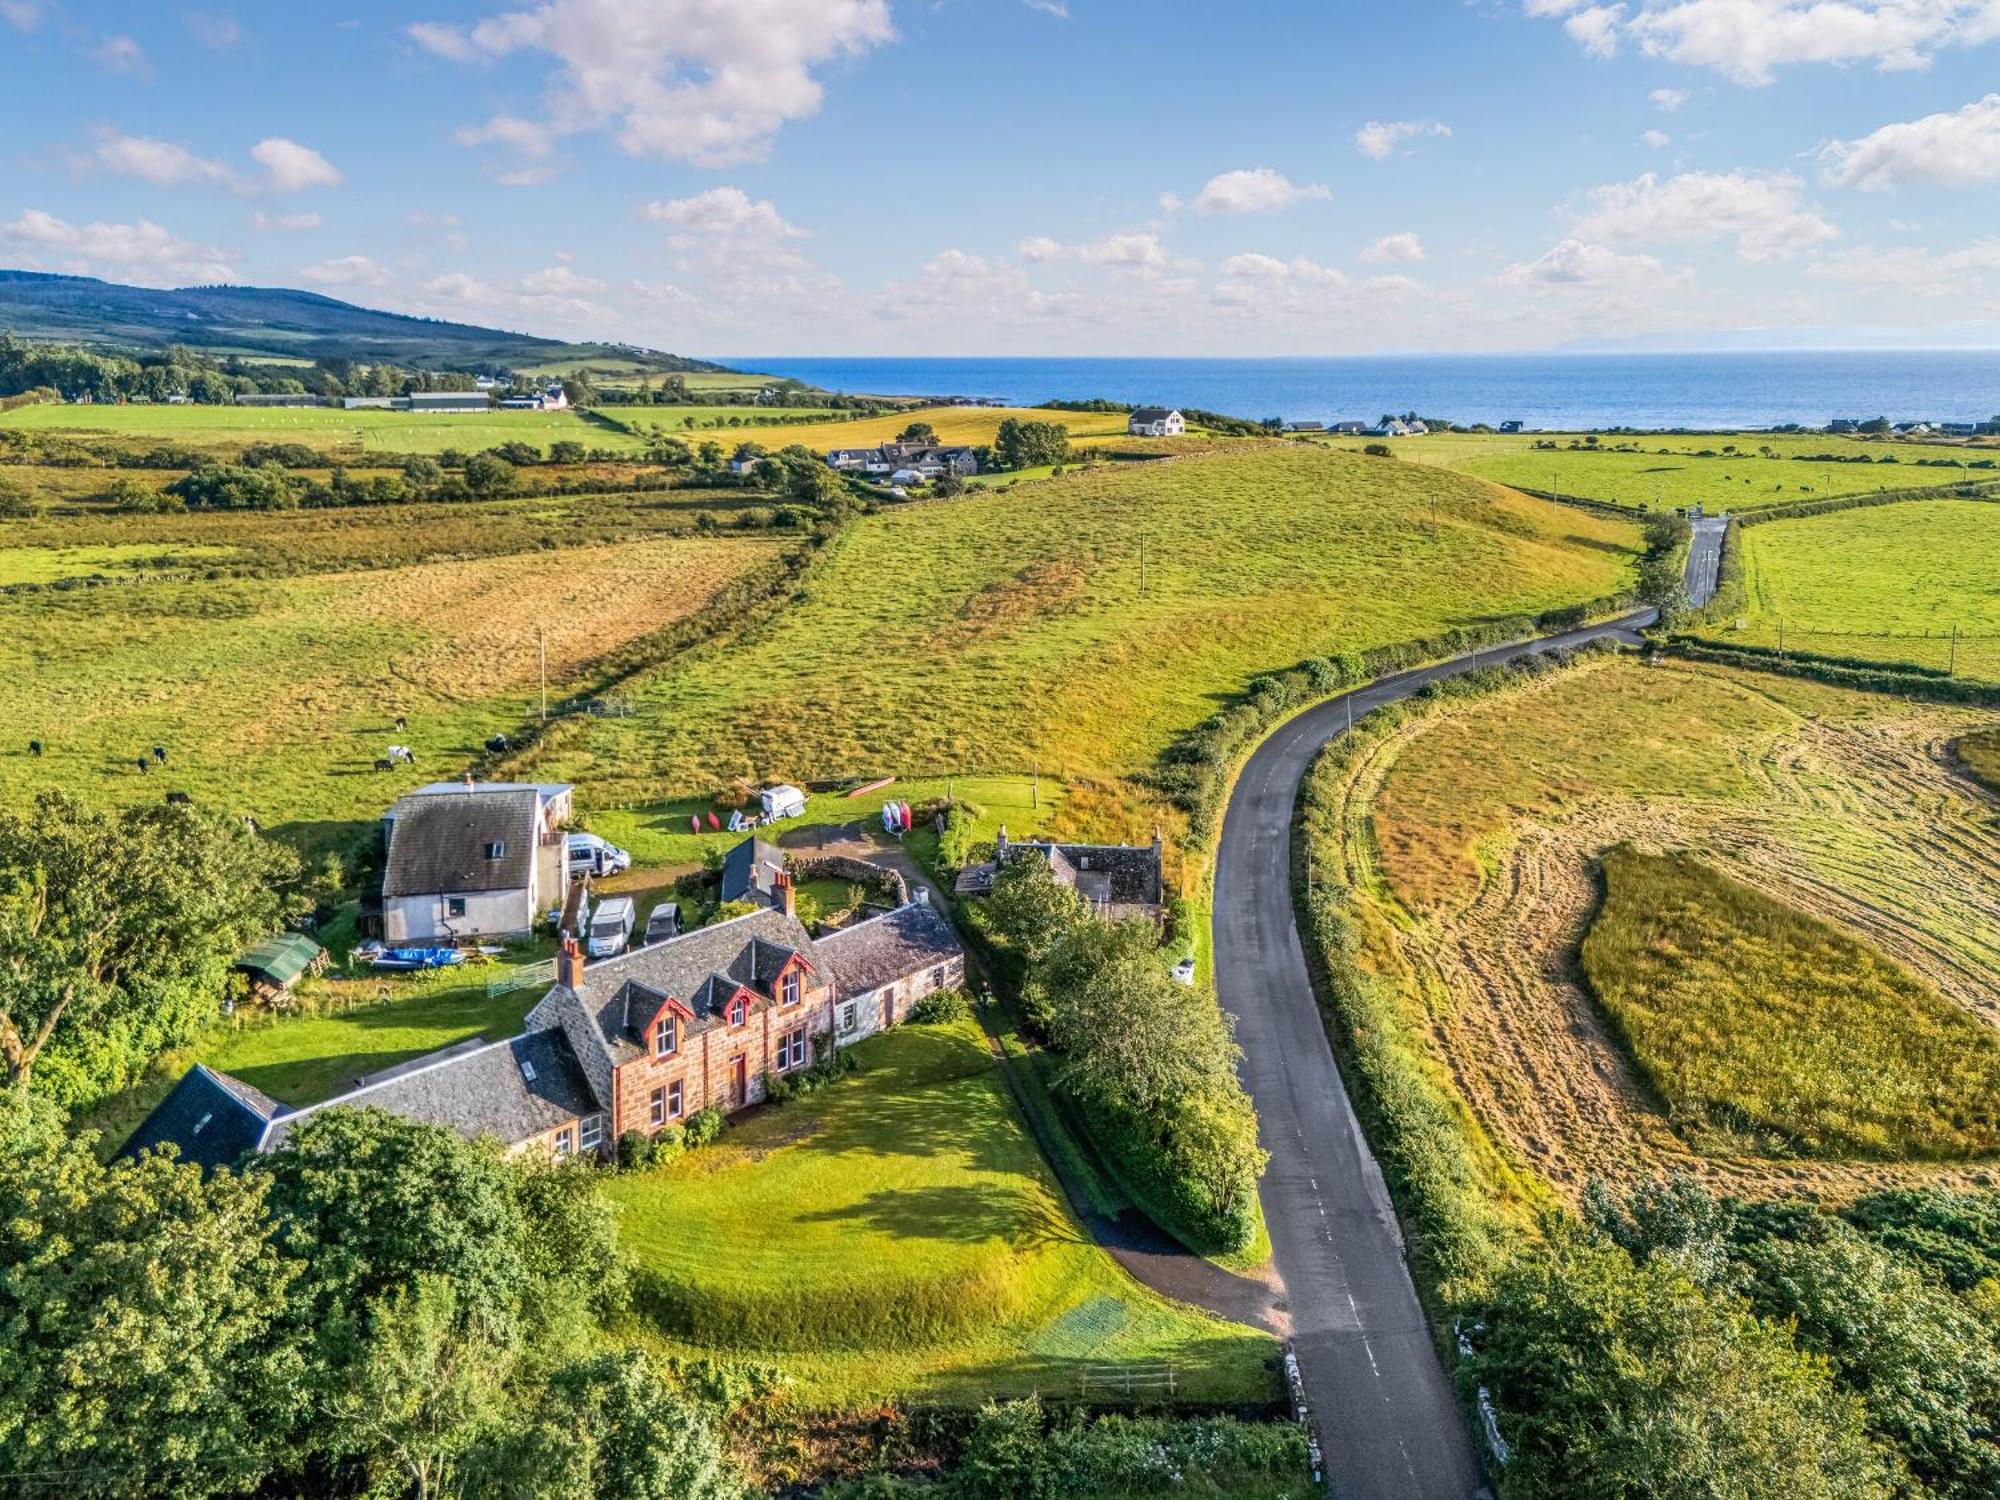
(783, 801)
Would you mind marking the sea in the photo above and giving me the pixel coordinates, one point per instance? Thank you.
(1558, 392)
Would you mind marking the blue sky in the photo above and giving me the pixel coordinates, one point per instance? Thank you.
(1035, 177)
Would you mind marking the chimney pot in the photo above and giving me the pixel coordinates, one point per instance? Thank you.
(570, 964)
(781, 886)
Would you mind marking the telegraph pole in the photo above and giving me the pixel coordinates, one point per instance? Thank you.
(1952, 670)
(542, 650)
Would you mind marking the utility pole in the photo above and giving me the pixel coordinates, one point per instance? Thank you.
(542, 649)
(1349, 701)
(1781, 638)
(1142, 565)
(1036, 792)
(1952, 670)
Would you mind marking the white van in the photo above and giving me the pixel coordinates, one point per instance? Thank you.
(611, 926)
(587, 854)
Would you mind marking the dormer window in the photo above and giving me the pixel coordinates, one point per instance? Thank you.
(496, 849)
(737, 1011)
(790, 988)
(666, 1037)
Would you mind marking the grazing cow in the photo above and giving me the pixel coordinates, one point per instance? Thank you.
(403, 754)
(385, 764)
(145, 765)
(401, 724)
(34, 747)
(497, 743)
(160, 754)
(179, 799)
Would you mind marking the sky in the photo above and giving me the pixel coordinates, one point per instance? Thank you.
(1035, 177)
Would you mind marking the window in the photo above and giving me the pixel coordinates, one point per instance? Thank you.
(497, 849)
(666, 1037)
(454, 906)
(791, 990)
(937, 977)
(674, 1100)
(736, 1013)
(848, 1018)
(792, 1049)
(659, 1103)
(593, 1132)
(565, 1142)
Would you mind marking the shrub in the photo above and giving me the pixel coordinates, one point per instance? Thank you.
(1379, 450)
(941, 1008)
(703, 1126)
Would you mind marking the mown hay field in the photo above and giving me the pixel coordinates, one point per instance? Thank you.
(274, 697)
(1006, 631)
(969, 425)
(1722, 472)
(334, 431)
(1979, 753)
(898, 1235)
(1753, 1018)
(1474, 836)
(1884, 583)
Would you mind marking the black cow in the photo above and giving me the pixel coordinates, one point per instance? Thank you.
(385, 765)
(179, 799)
(497, 743)
(145, 765)
(34, 747)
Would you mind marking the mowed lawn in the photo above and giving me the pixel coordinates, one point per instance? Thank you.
(1887, 583)
(1007, 631)
(274, 697)
(899, 1235)
(1753, 1018)
(1733, 472)
(322, 427)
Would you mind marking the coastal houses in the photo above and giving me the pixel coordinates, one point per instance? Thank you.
(1116, 881)
(1156, 422)
(908, 463)
(472, 860)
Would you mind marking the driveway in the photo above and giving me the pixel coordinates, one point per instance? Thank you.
(1391, 1423)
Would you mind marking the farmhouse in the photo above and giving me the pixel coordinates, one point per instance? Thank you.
(550, 398)
(1512, 424)
(1155, 421)
(922, 462)
(1349, 429)
(472, 860)
(750, 872)
(634, 1043)
(1117, 881)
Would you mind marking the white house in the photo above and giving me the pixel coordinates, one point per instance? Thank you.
(883, 966)
(1156, 421)
(472, 860)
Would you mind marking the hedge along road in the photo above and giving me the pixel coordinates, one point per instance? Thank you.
(1388, 1417)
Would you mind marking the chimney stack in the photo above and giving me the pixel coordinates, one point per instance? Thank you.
(569, 964)
(781, 887)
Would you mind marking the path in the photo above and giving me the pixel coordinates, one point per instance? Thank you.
(1388, 1415)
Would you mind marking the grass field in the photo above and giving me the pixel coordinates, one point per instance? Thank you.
(1002, 632)
(1474, 831)
(898, 1235)
(1667, 471)
(1979, 753)
(1886, 583)
(363, 431)
(274, 697)
(972, 425)
(1755, 1019)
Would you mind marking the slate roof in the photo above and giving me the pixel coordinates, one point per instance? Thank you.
(1118, 874)
(893, 946)
(751, 867)
(438, 841)
(1152, 414)
(701, 970)
(487, 1091)
(211, 1117)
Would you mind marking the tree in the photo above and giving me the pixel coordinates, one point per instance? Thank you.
(610, 1428)
(1028, 445)
(137, 1348)
(488, 474)
(117, 932)
(918, 432)
(1030, 909)
(950, 485)
(422, 469)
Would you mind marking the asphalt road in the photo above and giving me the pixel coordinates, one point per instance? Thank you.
(1704, 565)
(1391, 1424)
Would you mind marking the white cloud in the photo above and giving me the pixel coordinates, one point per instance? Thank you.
(1575, 263)
(1136, 250)
(1379, 139)
(722, 212)
(706, 81)
(531, 146)
(1054, 8)
(1747, 40)
(1947, 149)
(142, 251)
(1395, 247)
(213, 29)
(1668, 100)
(1764, 214)
(348, 270)
(1913, 271)
(1298, 271)
(293, 168)
(740, 248)
(120, 54)
(1039, 248)
(559, 281)
(1250, 190)
(283, 223)
(162, 163)
(1657, 139)
(22, 15)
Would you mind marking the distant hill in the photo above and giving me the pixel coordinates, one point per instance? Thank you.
(252, 321)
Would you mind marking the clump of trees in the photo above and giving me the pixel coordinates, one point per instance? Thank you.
(1149, 1063)
(1030, 445)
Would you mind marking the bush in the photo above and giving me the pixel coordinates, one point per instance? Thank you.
(703, 1126)
(1379, 450)
(941, 1008)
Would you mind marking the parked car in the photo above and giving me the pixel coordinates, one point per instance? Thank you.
(663, 923)
(590, 855)
(611, 926)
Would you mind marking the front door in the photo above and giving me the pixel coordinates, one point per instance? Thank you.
(739, 1081)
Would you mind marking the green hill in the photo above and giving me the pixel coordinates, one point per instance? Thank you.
(255, 321)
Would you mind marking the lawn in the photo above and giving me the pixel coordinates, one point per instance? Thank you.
(363, 431)
(1750, 1017)
(1979, 753)
(274, 697)
(1003, 632)
(898, 1236)
(1886, 583)
(1743, 471)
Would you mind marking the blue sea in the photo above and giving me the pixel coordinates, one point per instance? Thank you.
(1555, 391)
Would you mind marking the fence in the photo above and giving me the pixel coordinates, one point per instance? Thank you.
(507, 979)
(1127, 1380)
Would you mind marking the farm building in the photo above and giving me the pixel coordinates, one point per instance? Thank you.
(276, 964)
(283, 398)
(1156, 421)
(1117, 881)
(448, 401)
(550, 398)
(904, 463)
(473, 860)
(750, 871)
(1348, 429)
(637, 1042)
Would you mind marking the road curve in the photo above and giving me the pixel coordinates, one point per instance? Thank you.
(1391, 1424)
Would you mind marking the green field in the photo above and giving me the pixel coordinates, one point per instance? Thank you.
(1743, 471)
(1979, 753)
(899, 1235)
(363, 431)
(1002, 632)
(1887, 583)
(1752, 1018)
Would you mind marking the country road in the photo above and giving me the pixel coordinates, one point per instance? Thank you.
(1704, 565)
(1388, 1416)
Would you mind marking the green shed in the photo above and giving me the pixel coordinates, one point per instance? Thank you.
(276, 964)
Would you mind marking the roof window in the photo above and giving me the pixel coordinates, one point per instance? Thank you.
(527, 1070)
(497, 849)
